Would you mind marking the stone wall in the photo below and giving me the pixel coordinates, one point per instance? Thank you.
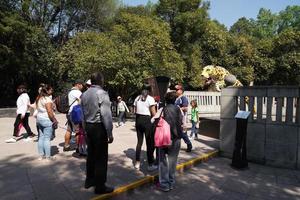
(273, 126)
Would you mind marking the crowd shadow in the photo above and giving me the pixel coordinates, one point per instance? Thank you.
(64, 179)
(130, 153)
(54, 150)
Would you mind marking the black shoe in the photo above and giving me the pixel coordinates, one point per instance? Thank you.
(31, 135)
(89, 184)
(104, 190)
(67, 148)
(189, 148)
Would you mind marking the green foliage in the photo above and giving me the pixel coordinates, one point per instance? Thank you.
(26, 56)
(138, 47)
(289, 18)
(266, 24)
(214, 44)
(243, 27)
(57, 41)
(287, 57)
(263, 62)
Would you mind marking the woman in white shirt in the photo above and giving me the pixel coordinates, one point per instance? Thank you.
(145, 107)
(45, 121)
(23, 103)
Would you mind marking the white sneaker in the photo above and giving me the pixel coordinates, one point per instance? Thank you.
(11, 140)
(49, 159)
(152, 168)
(28, 139)
(40, 158)
(137, 164)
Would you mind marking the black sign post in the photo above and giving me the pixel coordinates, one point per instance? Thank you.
(239, 157)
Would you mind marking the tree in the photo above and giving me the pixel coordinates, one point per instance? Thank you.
(289, 18)
(26, 56)
(243, 27)
(263, 62)
(214, 44)
(286, 53)
(188, 20)
(138, 47)
(63, 18)
(266, 24)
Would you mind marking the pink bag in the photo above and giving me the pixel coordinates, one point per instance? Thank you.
(162, 135)
(82, 146)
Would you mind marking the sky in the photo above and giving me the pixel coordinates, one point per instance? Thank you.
(228, 12)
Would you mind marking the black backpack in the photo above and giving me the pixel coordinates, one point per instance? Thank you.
(62, 103)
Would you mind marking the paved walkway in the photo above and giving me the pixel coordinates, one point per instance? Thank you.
(22, 176)
(216, 180)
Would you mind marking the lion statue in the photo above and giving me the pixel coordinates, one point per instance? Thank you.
(217, 77)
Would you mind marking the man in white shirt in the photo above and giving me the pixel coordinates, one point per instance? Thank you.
(74, 99)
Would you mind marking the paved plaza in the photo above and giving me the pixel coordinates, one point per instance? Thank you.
(22, 176)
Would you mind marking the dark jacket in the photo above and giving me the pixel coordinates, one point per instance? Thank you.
(173, 116)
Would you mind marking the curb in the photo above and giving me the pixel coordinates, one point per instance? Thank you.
(149, 179)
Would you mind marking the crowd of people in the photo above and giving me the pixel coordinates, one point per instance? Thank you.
(96, 127)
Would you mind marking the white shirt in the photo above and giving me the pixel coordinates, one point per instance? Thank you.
(73, 95)
(23, 103)
(122, 107)
(41, 107)
(143, 107)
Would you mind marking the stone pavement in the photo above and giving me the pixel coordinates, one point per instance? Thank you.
(216, 180)
(22, 176)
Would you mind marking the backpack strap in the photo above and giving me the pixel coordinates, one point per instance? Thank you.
(72, 103)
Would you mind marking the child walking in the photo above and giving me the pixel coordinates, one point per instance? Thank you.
(194, 119)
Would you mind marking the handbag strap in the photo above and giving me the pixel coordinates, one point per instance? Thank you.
(161, 114)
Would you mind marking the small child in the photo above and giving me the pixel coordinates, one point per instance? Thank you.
(194, 119)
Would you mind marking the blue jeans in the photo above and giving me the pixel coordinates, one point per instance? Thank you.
(45, 132)
(121, 117)
(186, 139)
(194, 129)
(167, 165)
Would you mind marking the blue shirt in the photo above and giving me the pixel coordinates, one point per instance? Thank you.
(182, 101)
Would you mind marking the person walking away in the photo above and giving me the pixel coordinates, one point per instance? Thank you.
(145, 107)
(45, 121)
(121, 109)
(23, 113)
(183, 103)
(194, 119)
(74, 99)
(168, 155)
(98, 125)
